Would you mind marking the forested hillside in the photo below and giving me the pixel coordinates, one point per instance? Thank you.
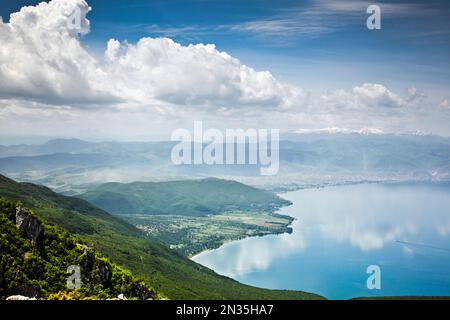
(187, 197)
(35, 258)
(166, 271)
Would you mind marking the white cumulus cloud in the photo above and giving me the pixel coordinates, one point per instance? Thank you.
(159, 68)
(42, 58)
(48, 76)
(366, 96)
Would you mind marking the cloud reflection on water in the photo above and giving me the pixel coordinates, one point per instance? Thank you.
(366, 217)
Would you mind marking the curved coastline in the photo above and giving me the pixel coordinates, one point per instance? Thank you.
(228, 242)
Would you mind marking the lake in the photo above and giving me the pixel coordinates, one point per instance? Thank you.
(340, 231)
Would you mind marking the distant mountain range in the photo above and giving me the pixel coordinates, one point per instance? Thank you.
(306, 159)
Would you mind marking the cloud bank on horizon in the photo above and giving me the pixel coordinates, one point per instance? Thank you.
(51, 84)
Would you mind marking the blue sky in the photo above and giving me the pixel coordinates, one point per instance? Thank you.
(412, 46)
(411, 49)
(322, 47)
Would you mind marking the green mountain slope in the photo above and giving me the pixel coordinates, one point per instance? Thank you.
(35, 257)
(168, 272)
(187, 197)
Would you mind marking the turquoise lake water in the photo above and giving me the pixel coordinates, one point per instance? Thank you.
(340, 231)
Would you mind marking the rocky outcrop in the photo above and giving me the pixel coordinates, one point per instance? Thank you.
(30, 226)
(27, 289)
(88, 260)
(103, 272)
(19, 297)
(141, 291)
(121, 297)
(38, 260)
(104, 275)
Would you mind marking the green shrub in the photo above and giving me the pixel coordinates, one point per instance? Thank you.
(42, 272)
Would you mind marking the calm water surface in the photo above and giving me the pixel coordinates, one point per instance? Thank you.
(339, 232)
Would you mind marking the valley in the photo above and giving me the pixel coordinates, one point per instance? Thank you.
(192, 235)
(191, 216)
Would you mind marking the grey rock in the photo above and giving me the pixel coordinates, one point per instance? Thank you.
(88, 259)
(32, 228)
(19, 297)
(141, 291)
(105, 275)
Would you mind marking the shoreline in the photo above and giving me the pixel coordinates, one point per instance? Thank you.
(343, 184)
(191, 257)
(292, 219)
(235, 240)
(281, 189)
